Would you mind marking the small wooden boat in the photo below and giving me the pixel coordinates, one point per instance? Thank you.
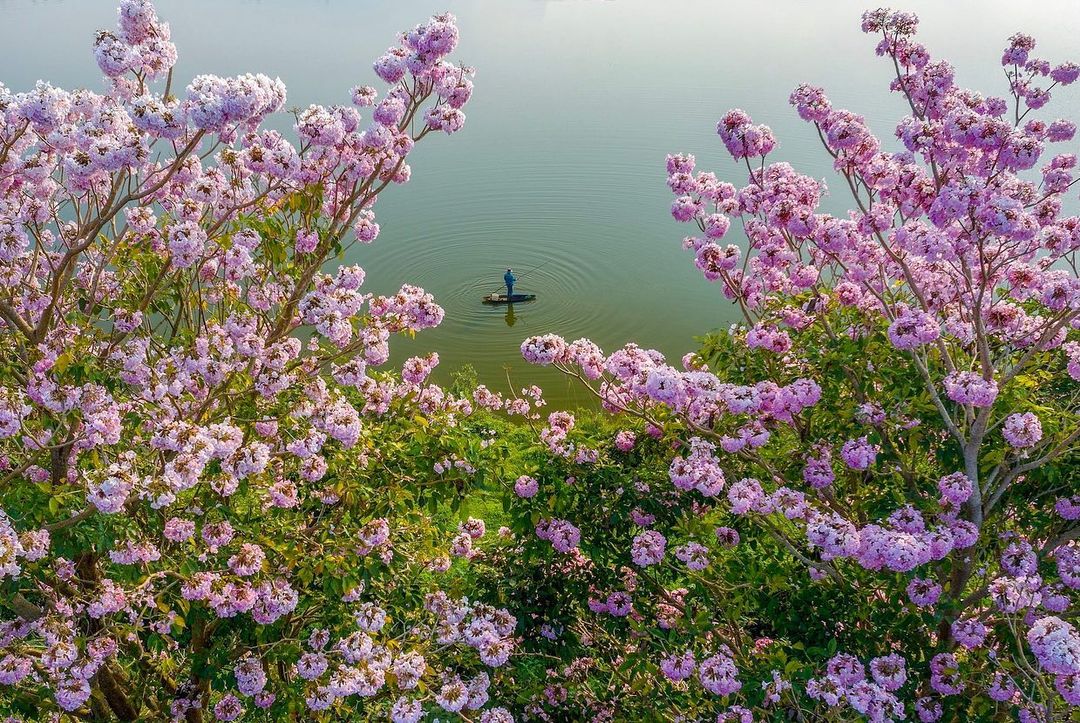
(504, 299)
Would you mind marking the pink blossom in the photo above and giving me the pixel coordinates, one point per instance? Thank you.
(718, 675)
(526, 486)
(858, 454)
(1056, 645)
(1022, 430)
(648, 548)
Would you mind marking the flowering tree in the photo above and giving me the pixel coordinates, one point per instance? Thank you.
(209, 499)
(859, 501)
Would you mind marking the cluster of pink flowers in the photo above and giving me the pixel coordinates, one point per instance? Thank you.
(526, 486)
(955, 489)
(678, 667)
(486, 629)
(913, 328)
(11, 548)
(719, 675)
(555, 435)
(742, 138)
(358, 665)
(694, 555)
(417, 369)
(700, 470)
(818, 472)
(625, 440)
(633, 376)
(858, 454)
(562, 535)
(141, 44)
(1056, 646)
(971, 388)
(648, 548)
(845, 683)
(1022, 430)
(266, 601)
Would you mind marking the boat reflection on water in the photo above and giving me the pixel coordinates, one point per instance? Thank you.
(495, 299)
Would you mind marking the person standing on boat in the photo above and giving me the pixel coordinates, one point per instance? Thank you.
(509, 278)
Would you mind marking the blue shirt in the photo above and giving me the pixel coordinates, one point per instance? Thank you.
(509, 278)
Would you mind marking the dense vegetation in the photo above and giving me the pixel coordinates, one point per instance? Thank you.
(216, 502)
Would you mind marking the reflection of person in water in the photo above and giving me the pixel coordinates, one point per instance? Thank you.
(510, 318)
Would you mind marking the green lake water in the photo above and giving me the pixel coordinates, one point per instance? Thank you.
(561, 163)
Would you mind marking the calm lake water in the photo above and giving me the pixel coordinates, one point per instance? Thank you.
(560, 165)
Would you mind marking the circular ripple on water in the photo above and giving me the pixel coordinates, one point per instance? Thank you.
(568, 243)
